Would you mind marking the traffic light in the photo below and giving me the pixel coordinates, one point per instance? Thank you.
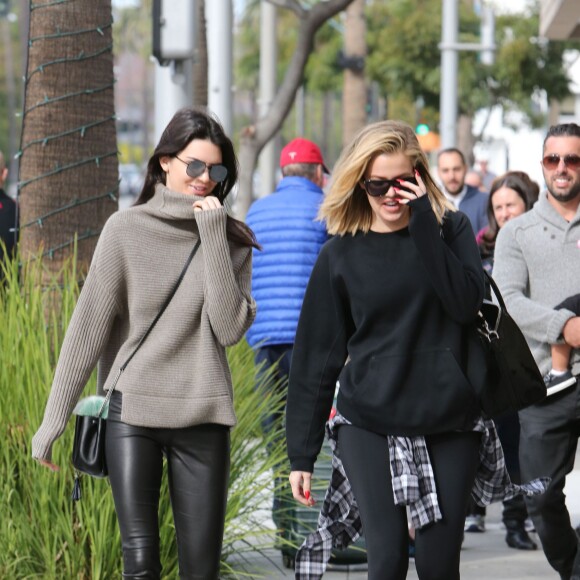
(422, 129)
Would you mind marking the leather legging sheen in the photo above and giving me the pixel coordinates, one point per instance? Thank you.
(198, 461)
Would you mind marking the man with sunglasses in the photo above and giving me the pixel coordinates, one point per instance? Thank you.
(537, 266)
(452, 169)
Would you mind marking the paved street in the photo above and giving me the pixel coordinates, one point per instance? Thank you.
(484, 556)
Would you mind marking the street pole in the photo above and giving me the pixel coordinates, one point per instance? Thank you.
(268, 58)
(300, 108)
(173, 90)
(219, 16)
(450, 48)
(173, 46)
(449, 64)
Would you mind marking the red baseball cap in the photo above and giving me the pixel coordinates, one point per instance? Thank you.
(302, 151)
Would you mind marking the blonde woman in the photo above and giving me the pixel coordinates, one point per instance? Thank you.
(392, 292)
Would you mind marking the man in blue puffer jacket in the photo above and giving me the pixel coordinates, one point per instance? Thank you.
(286, 227)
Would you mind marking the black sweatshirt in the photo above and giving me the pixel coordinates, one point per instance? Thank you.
(397, 304)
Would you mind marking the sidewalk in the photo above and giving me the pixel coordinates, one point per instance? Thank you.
(483, 557)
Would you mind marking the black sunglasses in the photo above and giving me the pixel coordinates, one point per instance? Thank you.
(195, 168)
(378, 187)
(551, 162)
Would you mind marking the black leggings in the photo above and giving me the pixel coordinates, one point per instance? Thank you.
(454, 457)
(198, 461)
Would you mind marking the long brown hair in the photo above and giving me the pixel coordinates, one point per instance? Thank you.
(185, 126)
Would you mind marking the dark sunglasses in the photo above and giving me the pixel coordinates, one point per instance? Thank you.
(551, 162)
(195, 168)
(378, 187)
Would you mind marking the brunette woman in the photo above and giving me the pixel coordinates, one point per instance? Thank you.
(174, 400)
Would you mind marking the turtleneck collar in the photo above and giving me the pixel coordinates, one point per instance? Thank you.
(172, 204)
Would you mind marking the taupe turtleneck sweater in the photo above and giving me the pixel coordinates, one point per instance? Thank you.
(180, 376)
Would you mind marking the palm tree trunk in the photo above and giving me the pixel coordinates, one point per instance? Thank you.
(68, 171)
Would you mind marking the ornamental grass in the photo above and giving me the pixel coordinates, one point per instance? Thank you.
(43, 533)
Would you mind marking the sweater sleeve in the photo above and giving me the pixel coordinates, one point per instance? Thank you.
(318, 357)
(230, 306)
(537, 321)
(85, 339)
(450, 255)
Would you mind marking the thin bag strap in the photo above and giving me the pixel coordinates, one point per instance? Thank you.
(496, 291)
(151, 326)
(165, 305)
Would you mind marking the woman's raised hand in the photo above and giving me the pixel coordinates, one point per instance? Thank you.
(207, 203)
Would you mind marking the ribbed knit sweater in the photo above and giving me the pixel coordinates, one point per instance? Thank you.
(180, 375)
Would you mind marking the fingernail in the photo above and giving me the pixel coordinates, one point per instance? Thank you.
(416, 172)
(396, 189)
(307, 494)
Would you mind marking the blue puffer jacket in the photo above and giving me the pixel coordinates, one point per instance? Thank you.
(285, 226)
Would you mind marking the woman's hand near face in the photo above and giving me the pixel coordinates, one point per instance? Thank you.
(300, 482)
(207, 203)
(416, 190)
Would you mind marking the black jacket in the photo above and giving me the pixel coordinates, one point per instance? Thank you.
(8, 224)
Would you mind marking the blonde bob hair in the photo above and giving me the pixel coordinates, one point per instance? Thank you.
(345, 208)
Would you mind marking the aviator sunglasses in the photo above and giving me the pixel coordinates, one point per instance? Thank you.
(378, 187)
(195, 168)
(551, 162)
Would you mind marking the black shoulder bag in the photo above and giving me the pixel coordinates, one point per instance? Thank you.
(88, 454)
(500, 366)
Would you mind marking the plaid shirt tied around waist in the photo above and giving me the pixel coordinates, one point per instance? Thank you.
(413, 483)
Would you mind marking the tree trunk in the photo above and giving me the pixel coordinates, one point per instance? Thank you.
(68, 171)
(465, 138)
(254, 138)
(200, 80)
(354, 115)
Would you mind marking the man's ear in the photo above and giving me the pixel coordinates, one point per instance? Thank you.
(320, 175)
(4, 175)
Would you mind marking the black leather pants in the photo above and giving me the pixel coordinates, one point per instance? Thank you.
(198, 461)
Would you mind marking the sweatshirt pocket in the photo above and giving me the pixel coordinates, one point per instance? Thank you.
(416, 393)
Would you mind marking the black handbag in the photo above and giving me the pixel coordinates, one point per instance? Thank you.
(500, 365)
(88, 454)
